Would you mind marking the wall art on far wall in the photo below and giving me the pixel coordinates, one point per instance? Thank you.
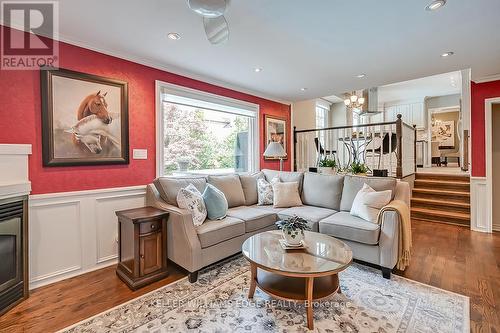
(275, 131)
(84, 119)
(443, 131)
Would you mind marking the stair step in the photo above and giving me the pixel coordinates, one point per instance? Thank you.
(440, 216)
(455, 206)
(437, 194)
(442, 184)
(443, 177)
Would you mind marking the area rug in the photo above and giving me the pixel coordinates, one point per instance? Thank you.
(218, 303)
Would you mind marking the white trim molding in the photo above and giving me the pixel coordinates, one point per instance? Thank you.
(489, 78)
(480, 207)
(72, 233)
(488, 112)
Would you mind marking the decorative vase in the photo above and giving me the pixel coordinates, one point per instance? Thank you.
(293, 237)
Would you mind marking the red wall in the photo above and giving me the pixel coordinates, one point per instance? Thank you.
(20, 119)
(480, 92)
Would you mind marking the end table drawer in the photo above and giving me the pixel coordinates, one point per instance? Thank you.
(147, 227)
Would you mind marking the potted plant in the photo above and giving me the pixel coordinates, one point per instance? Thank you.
(327, 166)
(358, 168)
(293, 229)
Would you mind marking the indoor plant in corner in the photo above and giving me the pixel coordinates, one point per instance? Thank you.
(358, 168)
(327, 166)
(293, 229)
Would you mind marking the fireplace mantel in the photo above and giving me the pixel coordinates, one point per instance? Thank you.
(14, 179)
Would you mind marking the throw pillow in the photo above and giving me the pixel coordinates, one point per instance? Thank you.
(216, 203)
(286, 195)
(369, 202)
(265, 191)
(190, 198)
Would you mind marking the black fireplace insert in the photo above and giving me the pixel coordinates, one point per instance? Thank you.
(13, 252)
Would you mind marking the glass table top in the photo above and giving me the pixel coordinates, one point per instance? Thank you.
(322, 254)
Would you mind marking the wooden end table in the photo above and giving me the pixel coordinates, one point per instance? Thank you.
(142, 246)
(305, 275)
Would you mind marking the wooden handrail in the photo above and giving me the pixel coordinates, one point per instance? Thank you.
(399, 134)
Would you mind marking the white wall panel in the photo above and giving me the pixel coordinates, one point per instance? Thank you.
(73, 233)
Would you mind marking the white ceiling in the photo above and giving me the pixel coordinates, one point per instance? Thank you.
(436, 85)
(318, 44)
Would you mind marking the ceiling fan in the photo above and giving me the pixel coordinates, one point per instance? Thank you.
(212, 12)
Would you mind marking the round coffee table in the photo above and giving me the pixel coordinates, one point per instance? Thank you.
(302, 275)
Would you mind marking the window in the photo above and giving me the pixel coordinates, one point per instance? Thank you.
(201, 133)
(322, 117)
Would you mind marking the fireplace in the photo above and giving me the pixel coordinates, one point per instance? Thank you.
(13, 252)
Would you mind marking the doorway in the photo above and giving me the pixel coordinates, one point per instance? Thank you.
(495, 160)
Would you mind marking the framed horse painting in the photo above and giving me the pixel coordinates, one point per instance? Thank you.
(84, 119)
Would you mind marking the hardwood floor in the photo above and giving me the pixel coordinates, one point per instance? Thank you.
(446, 256)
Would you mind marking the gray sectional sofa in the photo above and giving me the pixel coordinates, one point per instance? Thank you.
(327, 200)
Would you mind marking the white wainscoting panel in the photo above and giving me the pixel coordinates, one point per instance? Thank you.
(480, 205)
(73, 233)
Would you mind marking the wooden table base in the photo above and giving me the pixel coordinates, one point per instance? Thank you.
(298, 289)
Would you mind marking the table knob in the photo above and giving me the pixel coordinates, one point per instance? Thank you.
(142, 256)
(152, 226)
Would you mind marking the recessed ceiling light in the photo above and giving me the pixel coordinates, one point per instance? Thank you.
(435, 5)
(360, 76)
(303, 89)
(174, 36)
(257, 69)
(447, 54)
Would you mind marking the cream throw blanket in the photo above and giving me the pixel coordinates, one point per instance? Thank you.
(404, 246)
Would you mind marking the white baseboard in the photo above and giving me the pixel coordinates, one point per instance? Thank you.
(480, 208)
(72, 233)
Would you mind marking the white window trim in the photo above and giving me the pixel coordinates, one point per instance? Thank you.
(185, 92)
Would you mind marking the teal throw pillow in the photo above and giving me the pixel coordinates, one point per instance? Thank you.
(216, 203)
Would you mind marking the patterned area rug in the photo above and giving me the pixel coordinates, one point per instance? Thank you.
(218, 303)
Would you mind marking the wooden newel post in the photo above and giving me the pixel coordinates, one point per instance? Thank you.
(294, 148)
(399, 136)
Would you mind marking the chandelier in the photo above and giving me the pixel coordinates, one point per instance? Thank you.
(354, 102)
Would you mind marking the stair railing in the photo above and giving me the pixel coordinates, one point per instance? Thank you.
(387, 146)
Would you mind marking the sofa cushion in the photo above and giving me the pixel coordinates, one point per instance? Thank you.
(368, 203)
(230, 185)
(254, 218)
(215, 202)
(168, 187)
(344, 225)
(286, 194)
(249, 185)
(213, 232)
(265, 194)
(322, 190)
(269, 208)
(191, 199)
(352, 185)
(310, 213)
(284, 176)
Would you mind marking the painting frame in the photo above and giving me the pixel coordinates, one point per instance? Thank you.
(47, 75)
(268, 120)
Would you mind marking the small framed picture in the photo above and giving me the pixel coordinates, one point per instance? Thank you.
(275, 131)
(84, 119)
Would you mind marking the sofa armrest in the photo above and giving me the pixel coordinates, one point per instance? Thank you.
(389, 239)
(183, 244)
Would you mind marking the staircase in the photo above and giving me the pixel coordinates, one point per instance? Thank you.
(441, 198)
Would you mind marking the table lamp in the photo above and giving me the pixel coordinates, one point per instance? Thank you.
(275, 150)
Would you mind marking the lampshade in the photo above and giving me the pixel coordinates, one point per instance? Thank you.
(274, 149)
